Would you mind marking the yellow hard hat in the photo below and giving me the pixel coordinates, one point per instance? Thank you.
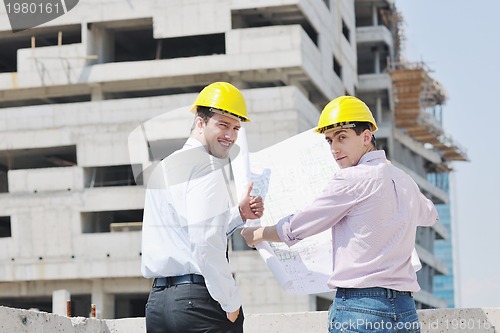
(224, 98)
(342, 112)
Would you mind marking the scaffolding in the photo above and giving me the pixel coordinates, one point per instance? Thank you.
(418, 99)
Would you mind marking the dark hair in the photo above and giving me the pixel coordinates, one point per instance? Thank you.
(361, 127)
(204, 113)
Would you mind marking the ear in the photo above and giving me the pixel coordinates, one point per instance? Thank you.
(198, 123)
(367, 137)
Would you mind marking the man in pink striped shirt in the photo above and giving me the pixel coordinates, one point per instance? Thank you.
(372, 209)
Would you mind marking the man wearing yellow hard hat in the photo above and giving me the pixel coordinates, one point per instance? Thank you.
(372, 209)
(188, 215)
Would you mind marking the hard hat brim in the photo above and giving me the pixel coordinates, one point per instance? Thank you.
(223, 113)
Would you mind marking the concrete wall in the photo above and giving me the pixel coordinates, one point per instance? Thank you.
(284, 50)
(431, 321)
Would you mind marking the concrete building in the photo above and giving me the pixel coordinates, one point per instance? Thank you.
(444, 250)
(73, 90)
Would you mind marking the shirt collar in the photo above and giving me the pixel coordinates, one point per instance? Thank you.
(193, 143)
(372, 155)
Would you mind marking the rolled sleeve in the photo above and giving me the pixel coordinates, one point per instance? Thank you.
(284, 231)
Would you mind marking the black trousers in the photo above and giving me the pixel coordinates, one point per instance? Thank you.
(187, 308)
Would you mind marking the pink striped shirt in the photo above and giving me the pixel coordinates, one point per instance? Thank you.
(373, 210)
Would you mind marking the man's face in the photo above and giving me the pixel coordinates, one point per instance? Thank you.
(347, 148)
(220, 133)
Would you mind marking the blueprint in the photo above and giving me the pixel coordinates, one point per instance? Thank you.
(289, 176)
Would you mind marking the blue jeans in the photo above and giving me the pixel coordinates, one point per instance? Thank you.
(373, 310)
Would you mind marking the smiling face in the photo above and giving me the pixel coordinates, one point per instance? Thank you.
(218, 134)
(347, 147)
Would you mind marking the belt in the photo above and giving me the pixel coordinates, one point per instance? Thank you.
(374, 291)
(165, 282)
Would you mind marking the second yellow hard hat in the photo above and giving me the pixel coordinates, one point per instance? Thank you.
(342, 112)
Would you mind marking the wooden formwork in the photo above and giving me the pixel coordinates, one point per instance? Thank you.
(414, 91)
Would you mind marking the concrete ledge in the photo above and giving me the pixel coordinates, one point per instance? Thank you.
(303, 322)
(45, 179)
(460, 320)
(432, 321)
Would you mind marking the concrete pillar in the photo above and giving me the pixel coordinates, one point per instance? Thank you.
(312, 303)
(105, 303)
(374, 15)
(378, 110)
(376, 59)
(59, 301)
(96, 93)
(101, 43)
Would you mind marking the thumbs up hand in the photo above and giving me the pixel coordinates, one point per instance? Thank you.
(251, 207)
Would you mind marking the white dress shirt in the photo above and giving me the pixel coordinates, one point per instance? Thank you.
(188, 213)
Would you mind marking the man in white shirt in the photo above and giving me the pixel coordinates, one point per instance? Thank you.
(188, 215)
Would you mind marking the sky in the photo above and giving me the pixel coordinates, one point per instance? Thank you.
(460, 42)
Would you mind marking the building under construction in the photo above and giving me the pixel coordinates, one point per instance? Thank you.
(72, 90)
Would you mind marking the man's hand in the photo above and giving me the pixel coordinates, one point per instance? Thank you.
(251, 207)
(252, 235)
(232, 316)
(255, 235)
